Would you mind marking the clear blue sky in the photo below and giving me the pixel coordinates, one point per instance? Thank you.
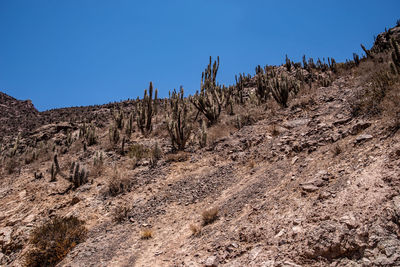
(82, 52)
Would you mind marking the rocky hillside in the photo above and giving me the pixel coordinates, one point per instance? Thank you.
(310, 179)
(16, 116)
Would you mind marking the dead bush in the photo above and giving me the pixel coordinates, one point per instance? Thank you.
(209, 216)
(53, 240)
(138, 151)
(181, 156)
(146, 233)
(196, 229)
(336, 150)
(11, 165)
(120, 213)
(118, 185)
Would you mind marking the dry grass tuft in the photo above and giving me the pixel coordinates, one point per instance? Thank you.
(180, 156)
(11, 165)
(53, 240)
(146, 234)
(209, 216)
(196, 229)
(336, 150)
(274, 130)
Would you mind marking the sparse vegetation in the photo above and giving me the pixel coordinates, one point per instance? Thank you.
(290, 133)
(209, 100)
(195, 229)
(178, 125)
(209, 216)
(146, 234)
(146, 110)
(78, 175)
(120, 213)
(53, 240)
(336, 150)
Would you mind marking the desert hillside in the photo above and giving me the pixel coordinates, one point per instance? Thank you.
(297, 165)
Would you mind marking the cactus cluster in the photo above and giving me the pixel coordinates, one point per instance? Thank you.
(118, 116)
(146, 109)
(129, 126)
(14, 149)
(178, 125)
(367, 52)
(240, 81)
(281, 86)
(78, 175)
(98, 159)
(263, 85)
(113, 135)
(88, 133)
(395, 57)
(210, 99)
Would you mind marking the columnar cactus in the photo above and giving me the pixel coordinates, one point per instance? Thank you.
(78, 176)
(113, 135)
(396, 56)
(280, 90)
(55, 169)
(129, 124)
(88, 133)
(240, 88)
(203, 135)
(118, 118)
(146, 111)
(367, 52)
(210, 99)
(263, 89)
(178, 125)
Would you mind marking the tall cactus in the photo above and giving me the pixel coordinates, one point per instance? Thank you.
(78, 175)
(263, 89)
(396, 56)
(146, 111)
(178, 125)
(280, 90)
(209, 101)
(118, 118)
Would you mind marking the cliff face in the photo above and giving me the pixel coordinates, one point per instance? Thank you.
(16, 116)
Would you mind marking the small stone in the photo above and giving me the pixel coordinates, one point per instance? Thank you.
(281, 233)
(309, 187)
(359, 127)
(363, 137)
(290, 264)
(211, 261)
(295, 123)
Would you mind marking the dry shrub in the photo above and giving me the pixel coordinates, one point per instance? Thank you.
(138, 151)
(274, 130)
(118, 185)
(251, 164)
(209, 216)
(336, 150)
(146, 233)
(120, 213)
(196, 229)
(53, 240)
(11, 165)
(218, 131)
(180, 156)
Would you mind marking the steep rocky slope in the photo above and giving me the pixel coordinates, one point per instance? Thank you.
(16, 116)
(313, 184)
